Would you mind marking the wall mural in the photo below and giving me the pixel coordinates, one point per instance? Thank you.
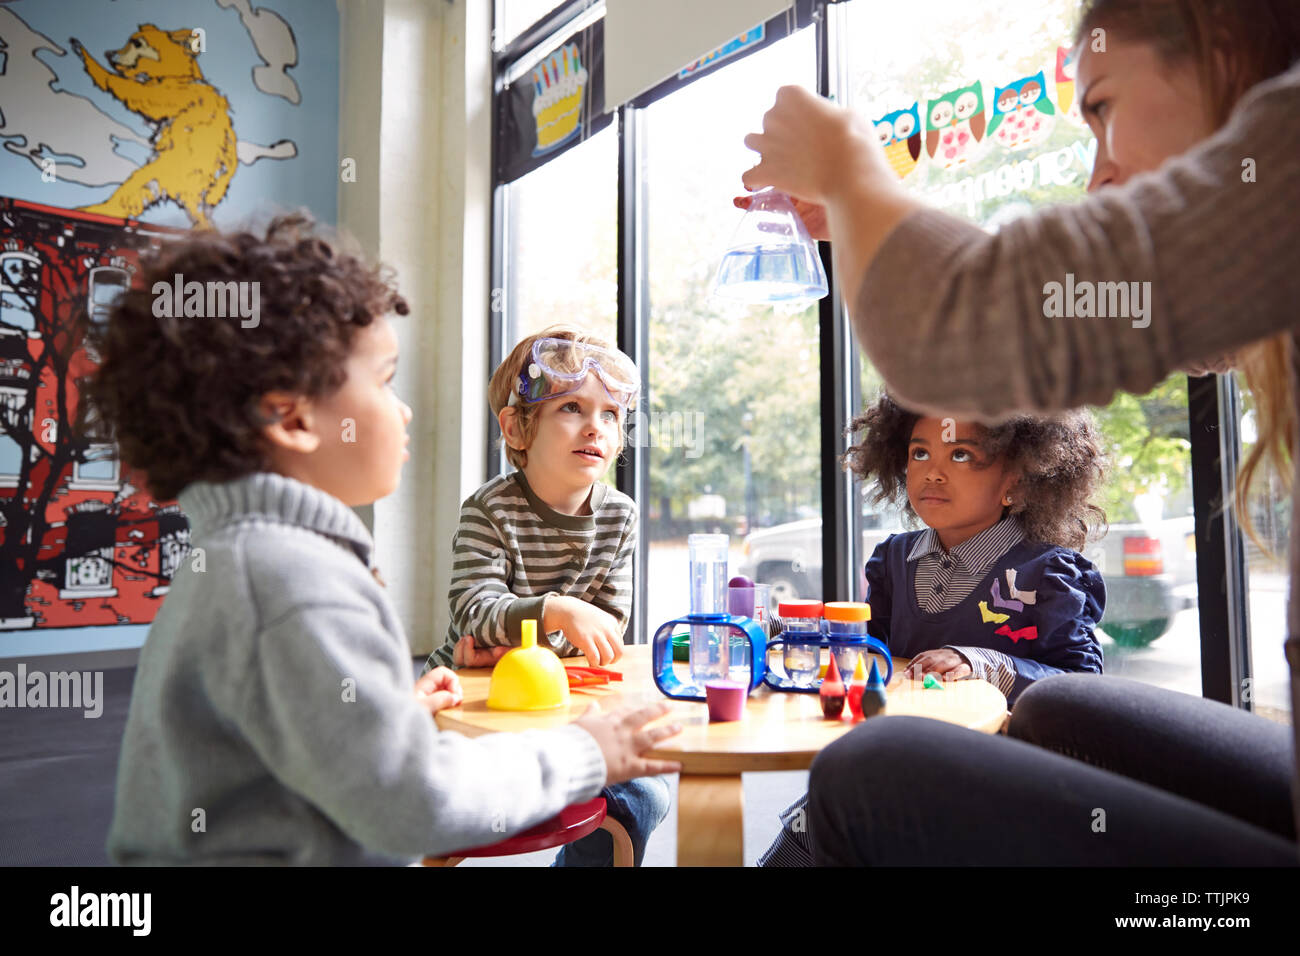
(203, 113)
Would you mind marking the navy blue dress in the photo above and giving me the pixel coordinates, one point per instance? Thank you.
(1038, 604)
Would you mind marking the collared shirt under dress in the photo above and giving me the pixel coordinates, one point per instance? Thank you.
(1015, 610)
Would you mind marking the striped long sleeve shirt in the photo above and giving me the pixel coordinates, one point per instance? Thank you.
(512, 551)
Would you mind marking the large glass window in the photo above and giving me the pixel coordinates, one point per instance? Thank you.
(561, 237)
(990, 131)
(977, 107)
(561, 233)
(513, 17)
(1266, 579)
(734, 401)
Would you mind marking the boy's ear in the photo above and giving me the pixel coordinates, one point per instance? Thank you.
(508, 420)
(290, 420)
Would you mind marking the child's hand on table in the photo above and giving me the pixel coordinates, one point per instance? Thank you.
(623, 737)
(469, 654)
(944, 663)
(594, 632)
(438, 690)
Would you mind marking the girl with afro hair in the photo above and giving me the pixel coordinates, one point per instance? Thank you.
(992, 586)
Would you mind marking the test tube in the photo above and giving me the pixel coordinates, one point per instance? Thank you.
(710, 658)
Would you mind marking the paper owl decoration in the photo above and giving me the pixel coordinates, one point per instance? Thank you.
(1065, 68)
(955, 126)
(900, 135)
(1023, 116)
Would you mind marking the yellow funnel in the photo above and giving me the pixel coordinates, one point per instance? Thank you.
(529, 677)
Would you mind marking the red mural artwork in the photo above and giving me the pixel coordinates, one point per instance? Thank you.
(80, 545)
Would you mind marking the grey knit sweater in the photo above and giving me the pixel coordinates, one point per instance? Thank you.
(273, 718)
(956, 319)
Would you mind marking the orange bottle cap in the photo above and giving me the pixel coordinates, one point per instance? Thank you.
(847, 611)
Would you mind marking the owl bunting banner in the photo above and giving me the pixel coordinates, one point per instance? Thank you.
(900, 134)
(955, 129)
(1065, 101)
(955, 126)
(1023, 116)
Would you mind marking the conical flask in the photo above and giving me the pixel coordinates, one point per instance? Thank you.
(771, 258)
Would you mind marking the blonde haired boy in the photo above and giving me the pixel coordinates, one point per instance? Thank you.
(550, 541)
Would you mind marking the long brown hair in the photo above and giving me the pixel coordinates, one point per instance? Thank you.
(1234, 44)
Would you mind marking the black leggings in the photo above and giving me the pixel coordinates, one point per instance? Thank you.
(1186, 782)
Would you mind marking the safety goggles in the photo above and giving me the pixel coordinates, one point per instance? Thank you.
(560, 367)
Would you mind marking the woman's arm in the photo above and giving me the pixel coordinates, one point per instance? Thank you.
(828, 160)
(961, 322)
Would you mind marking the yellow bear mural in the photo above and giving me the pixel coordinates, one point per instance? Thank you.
(156, 74)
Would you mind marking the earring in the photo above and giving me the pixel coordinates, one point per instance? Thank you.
(1006, 500)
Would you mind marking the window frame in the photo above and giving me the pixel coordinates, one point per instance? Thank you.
(1213, 401)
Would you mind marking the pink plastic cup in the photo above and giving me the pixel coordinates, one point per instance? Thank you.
(726, 700)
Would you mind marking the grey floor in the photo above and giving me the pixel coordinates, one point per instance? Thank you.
(58, 770)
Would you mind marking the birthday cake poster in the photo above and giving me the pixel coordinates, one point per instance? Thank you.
(556, 103)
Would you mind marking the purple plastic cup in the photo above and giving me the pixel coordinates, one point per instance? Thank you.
(726, 700)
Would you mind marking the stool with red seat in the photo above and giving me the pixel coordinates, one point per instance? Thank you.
(573, 823)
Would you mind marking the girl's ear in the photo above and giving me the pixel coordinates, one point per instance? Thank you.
(1011, 485)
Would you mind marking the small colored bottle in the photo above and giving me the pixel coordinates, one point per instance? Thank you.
(873, 696)
(801, 628)
(832, 693)
(856, 687)
(847, 624)
(710, 647)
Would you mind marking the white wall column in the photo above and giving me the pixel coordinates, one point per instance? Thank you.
(416, 105)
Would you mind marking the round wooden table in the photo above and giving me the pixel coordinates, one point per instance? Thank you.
(780, 731)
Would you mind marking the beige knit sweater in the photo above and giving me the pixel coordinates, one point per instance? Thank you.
(969, 324)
